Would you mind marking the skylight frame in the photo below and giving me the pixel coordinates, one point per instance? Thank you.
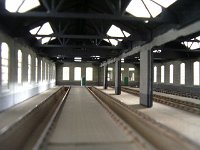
(145, 8)
(21, 6)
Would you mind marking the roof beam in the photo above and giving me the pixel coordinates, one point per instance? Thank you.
(60, 15)
(83, 36)
(78, 46)
(159, 40)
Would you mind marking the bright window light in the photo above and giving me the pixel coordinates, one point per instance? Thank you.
(45, 71)
(122, 69)
(29, 68)
(110, 69)
(171, 73)
(196, 73)
(77, 59)
(19, 66)
(4, 63)
(195, 45)
(36, 70)
(28, 5)
(131, 69)
(153, 8)
(155, 74)
(114, 31)
(122, 60)
(89, 74)
(162, 74)
(65, 73)
(21, 6)
(126, 34)
(45, 29)
(132, 76)
(114, 42)
(77, 73)
(137, 8)
(35, 30)
(182, 73)
(165, 3)
(41, 71)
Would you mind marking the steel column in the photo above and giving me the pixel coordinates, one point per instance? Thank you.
(146, 78)
(118, 77)
(105, 78)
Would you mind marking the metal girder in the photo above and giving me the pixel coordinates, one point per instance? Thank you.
(83, 36)
(62, 15)
(70, 47)
(159, 40)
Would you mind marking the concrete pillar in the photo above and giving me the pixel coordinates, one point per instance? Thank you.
(118, 77)
(146, 78)
(105, 77)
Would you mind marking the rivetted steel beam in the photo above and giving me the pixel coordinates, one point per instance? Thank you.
(79, 46)
(159, 40)
(60, 15)
(83, 36)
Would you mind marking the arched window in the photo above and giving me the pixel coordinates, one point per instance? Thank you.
(19, 66)
(4, 63)
(182, 73)
(196, 73)
(65, 73)
(89, 74)
(36, 69)
(155, 74)
(162, 74)
(29, 68)
(171, 73)
(77, 73)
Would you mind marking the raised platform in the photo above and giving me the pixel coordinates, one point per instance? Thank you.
(180, 121)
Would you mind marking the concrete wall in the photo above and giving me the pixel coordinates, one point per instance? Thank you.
(72, 65)
(188, 87)
(15, 93)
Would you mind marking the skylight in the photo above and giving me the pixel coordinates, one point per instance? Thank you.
(115, 31)
(193, 44)
(21, 6)
(147, 8)
(165, 3)
(77, 59)
(44, 30)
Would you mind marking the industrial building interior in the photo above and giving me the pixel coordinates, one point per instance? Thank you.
(103, 75)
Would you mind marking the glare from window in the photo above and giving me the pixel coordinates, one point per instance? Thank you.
(4, 63)
(45, 71)
(155, 74)
(65, 73)
(182, 73)
(48, 72)
(165, 3)
(36, 70)
(46, 29)
(132, 76)
(171, 73)
(41, 71)
(29, 68)
(21, 6)
(196, 73)
(162, 74)
(19, 73)
(77, 73)
(89, 74)
(137, 8)
(131, 69)
(114, 31)
(147, 8)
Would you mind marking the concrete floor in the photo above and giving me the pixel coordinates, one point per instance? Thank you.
(84, 124)
(183, 122)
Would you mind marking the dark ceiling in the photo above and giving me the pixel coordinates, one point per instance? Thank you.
(81, 25)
